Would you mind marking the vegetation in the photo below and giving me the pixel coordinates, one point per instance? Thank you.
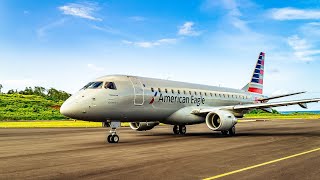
(50, 94)
(36, 103)
(29, 107)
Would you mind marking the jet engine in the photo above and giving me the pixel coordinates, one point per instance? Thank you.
(220, 120)
(143, 126)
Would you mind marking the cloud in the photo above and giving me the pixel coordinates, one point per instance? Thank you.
(187, 29)
(42, 31)
(150, 44)
(137, 18)
(95, 68)
(274, 71)
(84, 10)
(233, 15)
(302, 49)
(289, 13)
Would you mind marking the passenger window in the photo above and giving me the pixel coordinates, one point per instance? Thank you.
(172, 91)
(184, 92)
(159, 90)
(211, 94)
(178, 91)
(152, 90)
(110, 85)
(190, 92)
(166, 90)
(200, 94)
(195, 93)
(205, 94)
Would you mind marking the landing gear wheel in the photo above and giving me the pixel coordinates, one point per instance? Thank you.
(182, 129)
(115, 138)
(232, 131)
(224, 132)
(109, 139)
(175, 129)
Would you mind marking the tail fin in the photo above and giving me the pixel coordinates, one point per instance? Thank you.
(256, 83)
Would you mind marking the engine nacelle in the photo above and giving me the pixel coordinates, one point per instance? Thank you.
(143, 126)
(220, 120)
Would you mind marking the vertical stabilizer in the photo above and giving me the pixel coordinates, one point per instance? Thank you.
(256, 83)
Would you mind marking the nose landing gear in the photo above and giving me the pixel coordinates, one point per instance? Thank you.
(113, 137)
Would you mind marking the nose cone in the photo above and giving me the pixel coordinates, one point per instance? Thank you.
(66, 110)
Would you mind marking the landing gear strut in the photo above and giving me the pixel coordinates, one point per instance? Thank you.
(230, 132)
(113, 137)
(181, 129)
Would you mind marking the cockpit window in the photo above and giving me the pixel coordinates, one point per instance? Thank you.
(96, 85)
(86, 86)
(110, 85)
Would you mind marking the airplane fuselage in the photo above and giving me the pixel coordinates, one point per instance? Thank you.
(140, 99)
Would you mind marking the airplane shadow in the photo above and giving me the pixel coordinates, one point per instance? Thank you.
(239, 134)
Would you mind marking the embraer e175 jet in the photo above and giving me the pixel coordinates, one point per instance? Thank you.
(146, 102)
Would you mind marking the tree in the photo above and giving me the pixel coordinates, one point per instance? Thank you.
(39, 91)
(11, 91)
(1, 88)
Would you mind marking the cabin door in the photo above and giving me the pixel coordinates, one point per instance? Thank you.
(138, 91)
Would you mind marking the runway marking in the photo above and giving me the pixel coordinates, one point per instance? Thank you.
(262, 164)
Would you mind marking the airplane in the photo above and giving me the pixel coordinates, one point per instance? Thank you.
(147, 102)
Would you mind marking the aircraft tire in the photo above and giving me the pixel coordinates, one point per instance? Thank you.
(175, 129)
(182, 129)
(109, 139)
(232, 131)
(224, 132)
(115, 138)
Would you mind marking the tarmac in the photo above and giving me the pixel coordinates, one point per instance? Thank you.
(277, 149)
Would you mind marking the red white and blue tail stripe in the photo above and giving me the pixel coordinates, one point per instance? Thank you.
(256, 83)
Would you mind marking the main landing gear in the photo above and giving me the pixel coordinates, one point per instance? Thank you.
(230, 132)
(113, 137)
(181, 129)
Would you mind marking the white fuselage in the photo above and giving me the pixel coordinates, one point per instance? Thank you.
(140, 99)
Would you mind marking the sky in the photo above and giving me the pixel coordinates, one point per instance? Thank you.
(65, 44)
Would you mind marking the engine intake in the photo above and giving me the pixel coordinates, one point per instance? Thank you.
(220, 120)
(143, 126)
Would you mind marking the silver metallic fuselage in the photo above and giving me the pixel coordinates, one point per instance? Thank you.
(134, 101)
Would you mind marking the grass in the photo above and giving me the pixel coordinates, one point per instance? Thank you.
(29, 107)
(52, 124)
(283, 116)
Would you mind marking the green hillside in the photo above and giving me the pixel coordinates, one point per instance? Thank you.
(29, 107)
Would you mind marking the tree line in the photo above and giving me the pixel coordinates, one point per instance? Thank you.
(51, 94)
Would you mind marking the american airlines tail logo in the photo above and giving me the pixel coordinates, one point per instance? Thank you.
(152, 100)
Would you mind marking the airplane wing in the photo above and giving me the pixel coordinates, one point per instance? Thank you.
(280, 96)
(301, 103)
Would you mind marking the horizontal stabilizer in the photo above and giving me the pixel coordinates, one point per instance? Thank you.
(280, 96)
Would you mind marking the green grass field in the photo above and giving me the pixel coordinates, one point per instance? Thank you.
(283, 116)
(29, 107)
